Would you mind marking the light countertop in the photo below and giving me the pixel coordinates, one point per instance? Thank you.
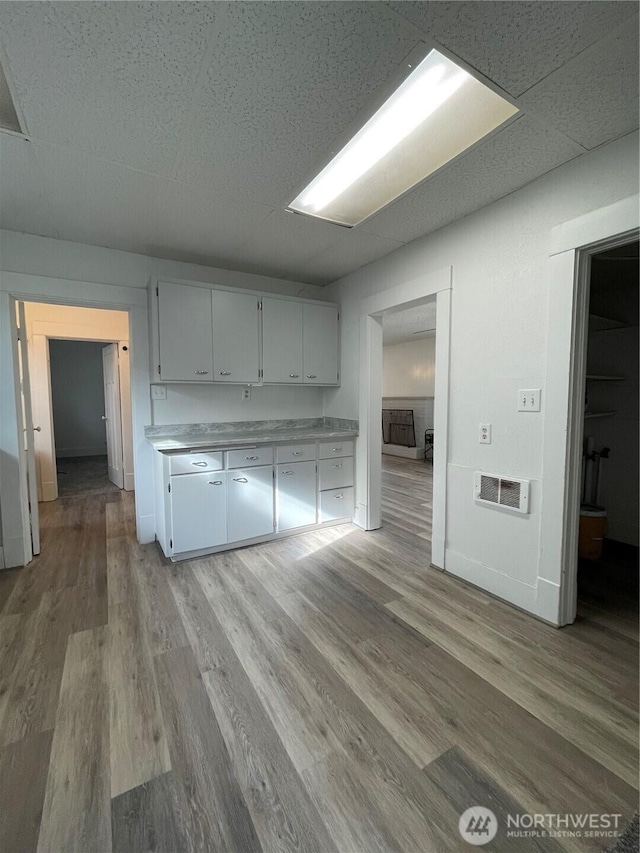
(244, 438)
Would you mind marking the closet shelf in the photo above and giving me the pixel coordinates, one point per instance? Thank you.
(600, 377)
(598, 323)
(599, 414)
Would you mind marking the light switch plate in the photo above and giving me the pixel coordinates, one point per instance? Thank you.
(158, 392)
(529, 400)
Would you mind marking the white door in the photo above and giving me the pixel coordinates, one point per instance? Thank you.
(236, 337)
(184, 335)
(198, 511)
(112, 414)
(320, 342)
(250, 503)
(296, 495)
(28, 430)
(281, 340)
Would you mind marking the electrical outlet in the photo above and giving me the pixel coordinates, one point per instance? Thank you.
(246, 393)
(485, 434)
(529, 400)
(158, 392)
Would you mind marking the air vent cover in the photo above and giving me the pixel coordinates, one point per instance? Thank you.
(505, 492)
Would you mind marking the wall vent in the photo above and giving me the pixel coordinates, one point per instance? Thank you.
(506, 492)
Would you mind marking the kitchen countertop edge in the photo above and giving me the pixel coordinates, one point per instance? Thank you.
(175, 443)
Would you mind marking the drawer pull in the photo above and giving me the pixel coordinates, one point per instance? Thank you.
(201, 372)
(336, 449)
(224, 373)
(252, 458)
(296, 453)
(240, 480)
(201, 464)
(311, 376)
(337, 466)
(215, 482)
(294, 376)
(287, 472)
(338, 497)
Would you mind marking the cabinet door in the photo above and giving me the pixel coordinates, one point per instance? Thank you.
(295, 495)
(198, 511)
(320, 344)
(250, 503)
(185, 339)
(281, 340)
(236, 324)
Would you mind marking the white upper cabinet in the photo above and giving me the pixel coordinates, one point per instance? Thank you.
(281, 341)
(236, 336)
(320, 344)
(184, 332)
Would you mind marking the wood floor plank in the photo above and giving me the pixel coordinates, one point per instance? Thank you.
(8, 578)
(24, 766)
(138, 744)
(577, 712)
(76, 814)
(151, 817)
(216, 812)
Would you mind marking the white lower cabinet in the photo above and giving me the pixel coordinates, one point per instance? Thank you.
(336, 503)
(296, 495)
(249, 503)
(198, 511)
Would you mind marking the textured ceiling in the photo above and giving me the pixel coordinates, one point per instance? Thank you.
(182, 130)
(410, 324)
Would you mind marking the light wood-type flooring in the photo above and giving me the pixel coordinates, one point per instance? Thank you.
(325, 692)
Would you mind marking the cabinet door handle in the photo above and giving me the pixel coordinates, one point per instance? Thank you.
(252, 458)
(287, 472)
(215, 482)
(338, 497)
(294, 376)
(201, 372)
(337, 466)
(224, 373)
(201, 464)
(311, 376)
(296, 452)
(240, 480)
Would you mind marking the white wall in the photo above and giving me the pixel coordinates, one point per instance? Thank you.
(499, 344)
(408, 369)
(77, 393)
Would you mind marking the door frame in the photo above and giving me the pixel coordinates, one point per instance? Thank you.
(39, 359)
(30, 288)
(573, 243)
(369, 458)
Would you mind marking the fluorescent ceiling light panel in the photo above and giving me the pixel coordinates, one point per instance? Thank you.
(438, 112)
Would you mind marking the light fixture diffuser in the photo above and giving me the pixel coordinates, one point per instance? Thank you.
(438, 112)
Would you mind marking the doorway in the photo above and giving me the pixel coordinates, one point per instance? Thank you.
(87, 424)
(607, 569)
(408, 383)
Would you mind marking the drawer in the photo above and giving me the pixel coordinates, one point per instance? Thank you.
(195, 463)
(295, 453)
(336, 473)
(249, 457)
(329, 450)
(337, 503)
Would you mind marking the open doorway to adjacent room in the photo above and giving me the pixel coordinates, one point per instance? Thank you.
(75, 402)
(607, 581)
(408, 389)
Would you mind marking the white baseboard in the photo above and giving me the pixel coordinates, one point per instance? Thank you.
(128, 482)
(146, 529)
(404, 452)
(13, 552)
(69, 452)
